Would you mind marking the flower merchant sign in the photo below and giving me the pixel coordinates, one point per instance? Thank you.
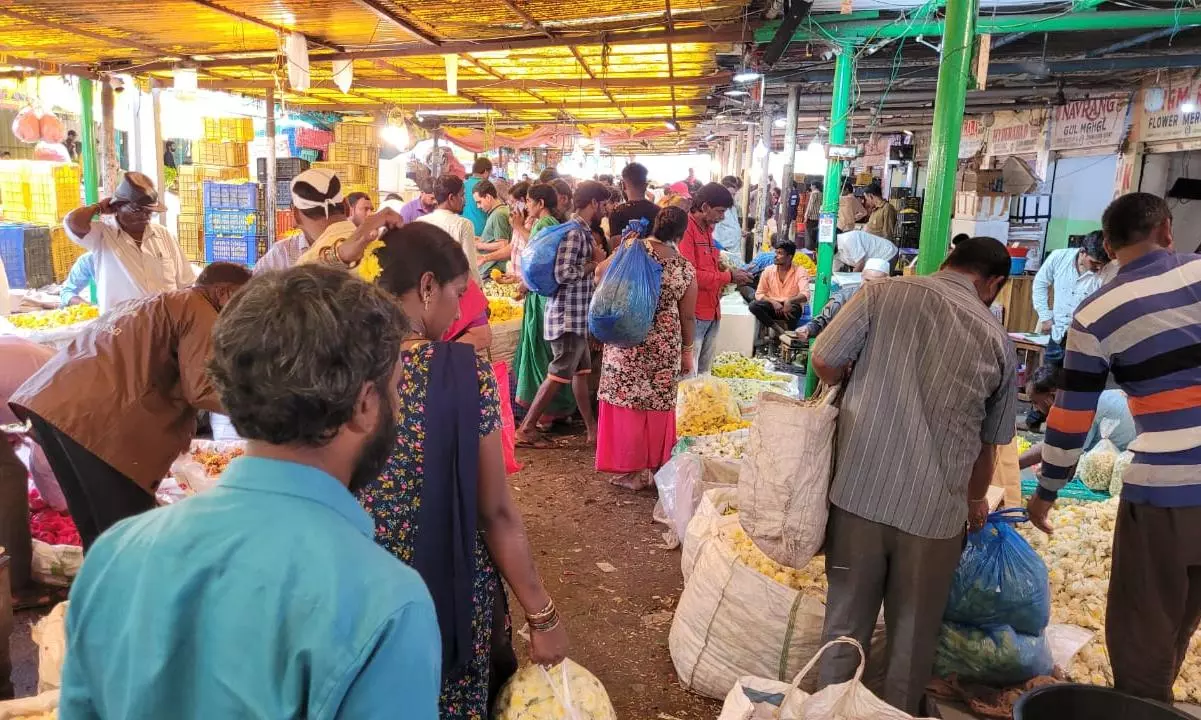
(972, 137)
(1016, 133)
(1171, 113)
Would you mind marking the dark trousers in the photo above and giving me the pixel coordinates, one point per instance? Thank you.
(1154, 596)
(868, 563)
(1052, 356)
(98, 496)
(811, 234)
(15, 536)
(765, 313)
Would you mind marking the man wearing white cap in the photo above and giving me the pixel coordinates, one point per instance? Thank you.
(320, 211)
(856, 247)
(134, 257)
(873, 270)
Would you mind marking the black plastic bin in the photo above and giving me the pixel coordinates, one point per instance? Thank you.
(1090, 702)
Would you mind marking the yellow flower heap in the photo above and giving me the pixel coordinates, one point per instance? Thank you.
(806, 263)
(503, 310)
(707, 407)
(46, 319)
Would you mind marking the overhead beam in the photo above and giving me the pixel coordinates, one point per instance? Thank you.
(513, 83)
(312, 39)
(1012, 67)
(797, 11)
(822, 100)
(267, 58)
(991, 25)
(1135, 41)
(511, 107)
(40, 67)
(385, 13)
(531, 23)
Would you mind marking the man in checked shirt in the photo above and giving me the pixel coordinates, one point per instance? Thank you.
(566, 323)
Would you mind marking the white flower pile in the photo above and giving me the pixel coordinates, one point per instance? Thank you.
(1096, 466)
(1078, 561)
(722, 446)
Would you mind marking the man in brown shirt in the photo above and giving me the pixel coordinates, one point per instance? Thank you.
(115, 407)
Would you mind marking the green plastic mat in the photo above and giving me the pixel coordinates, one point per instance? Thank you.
(1075, 490)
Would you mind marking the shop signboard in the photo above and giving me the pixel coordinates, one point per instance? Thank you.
(875, 152)
(1171, 113)
(1016, 133)
(1092, 123)
(972, 137)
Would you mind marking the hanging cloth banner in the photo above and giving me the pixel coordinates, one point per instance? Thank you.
(343, 74)
(1098, 123)
(452, 74)
(296, 51)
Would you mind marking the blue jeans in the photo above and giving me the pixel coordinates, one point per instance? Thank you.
(704, 344)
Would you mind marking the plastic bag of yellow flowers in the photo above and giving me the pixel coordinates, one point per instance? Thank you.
(565, 692)
(705, 406)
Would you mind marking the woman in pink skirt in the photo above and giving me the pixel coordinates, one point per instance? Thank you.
(637, 418)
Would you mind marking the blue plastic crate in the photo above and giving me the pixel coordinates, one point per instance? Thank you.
(25, 251)
(231, 223)
(290, 133)
(244, 250)
(230, 196)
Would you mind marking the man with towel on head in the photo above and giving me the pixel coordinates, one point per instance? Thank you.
(320, 211)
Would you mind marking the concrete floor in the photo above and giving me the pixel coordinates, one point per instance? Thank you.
(24, 654)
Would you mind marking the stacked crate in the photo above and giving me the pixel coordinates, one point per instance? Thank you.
(285, 170)
(354, 156)
(63, 252)
(234, 223)
(39, 191)
(221, 156)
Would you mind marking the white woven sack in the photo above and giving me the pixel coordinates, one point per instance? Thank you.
(733, 621)
(50, 635)
(55, 564)
(27, 706)
(784, 485)
(681, 483)
(850, 700)
(708, 518)
(752, 698)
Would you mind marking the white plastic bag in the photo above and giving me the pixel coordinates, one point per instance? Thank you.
(1119, 471)
(191, 475)
(783, 488)
(50, 635)
(1096, 466)
(850, 700)
(55, 564)
(681, 483)
(566, 692)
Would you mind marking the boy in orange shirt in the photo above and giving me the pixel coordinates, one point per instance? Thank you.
(781, 294)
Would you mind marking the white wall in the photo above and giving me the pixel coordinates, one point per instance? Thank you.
(1160, 171)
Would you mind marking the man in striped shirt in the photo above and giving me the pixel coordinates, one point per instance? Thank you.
(1144, 327)
(932, 393)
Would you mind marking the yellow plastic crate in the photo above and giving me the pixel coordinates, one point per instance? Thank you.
(356, 134)
(191, 237)
(63, 252)
(39, 191)
(351, 174)
(212, 129)
(239, 129)
(367, 155)
(226, 154)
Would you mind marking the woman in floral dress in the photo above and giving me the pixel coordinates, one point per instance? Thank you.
(637, 417)
(442, 504)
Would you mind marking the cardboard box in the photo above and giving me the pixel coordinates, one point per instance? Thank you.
(982, 206)
(979, 181)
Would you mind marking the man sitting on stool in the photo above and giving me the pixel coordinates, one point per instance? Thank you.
(779, 298)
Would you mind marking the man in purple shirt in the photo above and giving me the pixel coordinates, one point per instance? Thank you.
(423, 204)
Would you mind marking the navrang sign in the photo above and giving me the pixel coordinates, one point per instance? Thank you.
(1171, 113)
(972, 137)
(1089, 123)
(1016, 133)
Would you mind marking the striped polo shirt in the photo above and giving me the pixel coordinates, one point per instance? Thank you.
(1145, 329)
(934, 378)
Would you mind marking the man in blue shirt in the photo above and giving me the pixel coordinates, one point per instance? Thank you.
(82, 273)
(480, 170)
(267, 597)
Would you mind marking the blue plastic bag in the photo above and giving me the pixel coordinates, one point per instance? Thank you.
(623, 306)
(1000, 580)
(538, 258)
(993, 656)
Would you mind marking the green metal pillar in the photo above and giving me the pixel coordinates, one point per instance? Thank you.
(87, 144)
(954, 71)
(840, 109)
(87, 153)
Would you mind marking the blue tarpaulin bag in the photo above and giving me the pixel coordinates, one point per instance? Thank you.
(1000, 580)
(538, 258)
(623, 306)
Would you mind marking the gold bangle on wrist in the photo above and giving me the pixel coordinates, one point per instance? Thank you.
(543, 614)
